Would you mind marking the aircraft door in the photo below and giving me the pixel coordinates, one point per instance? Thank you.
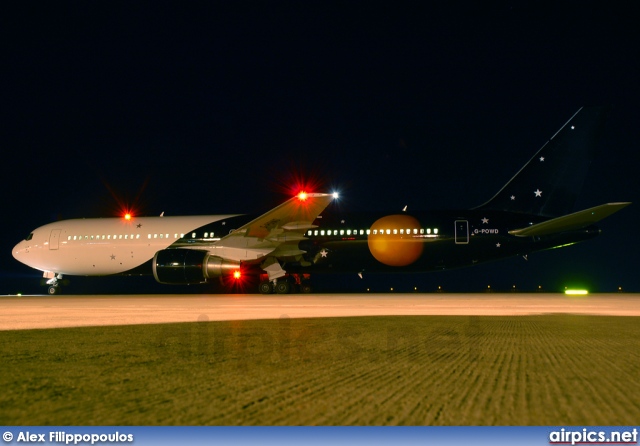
(461, 232)
(54, 239)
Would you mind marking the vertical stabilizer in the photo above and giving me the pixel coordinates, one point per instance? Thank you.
(550, 182)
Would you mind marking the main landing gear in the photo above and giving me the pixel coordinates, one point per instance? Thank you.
(292, 283)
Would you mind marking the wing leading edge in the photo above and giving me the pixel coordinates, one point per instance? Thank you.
(274, 236)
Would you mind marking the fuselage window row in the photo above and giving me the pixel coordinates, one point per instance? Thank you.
(119, 237)
(310, 233)
(408, 231)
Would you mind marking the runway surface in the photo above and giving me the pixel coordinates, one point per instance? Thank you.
(28, 312)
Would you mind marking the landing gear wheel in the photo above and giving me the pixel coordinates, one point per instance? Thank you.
(265, 287)
(283, 287)
(305, 287)
(53, 290)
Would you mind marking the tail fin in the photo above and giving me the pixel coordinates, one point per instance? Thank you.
(550, 182)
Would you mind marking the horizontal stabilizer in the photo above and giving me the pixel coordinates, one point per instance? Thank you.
(577, 220)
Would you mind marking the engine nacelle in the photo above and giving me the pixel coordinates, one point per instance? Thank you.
(189, 266)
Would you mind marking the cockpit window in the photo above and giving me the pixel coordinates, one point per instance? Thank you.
(29, 237)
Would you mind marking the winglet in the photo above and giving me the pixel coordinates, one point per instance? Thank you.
(577, 220)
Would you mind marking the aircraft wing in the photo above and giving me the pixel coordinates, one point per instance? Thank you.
(275, 233)
(577, 220)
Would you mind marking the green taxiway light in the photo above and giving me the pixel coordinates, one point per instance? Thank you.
(576, 292)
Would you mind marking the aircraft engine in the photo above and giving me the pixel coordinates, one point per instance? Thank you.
(189, 266)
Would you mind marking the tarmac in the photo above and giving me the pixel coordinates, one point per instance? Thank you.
(37, 312)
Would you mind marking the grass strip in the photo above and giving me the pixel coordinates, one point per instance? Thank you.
(422, 370)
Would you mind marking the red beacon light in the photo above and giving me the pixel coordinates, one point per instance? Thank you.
(127, 216)
(237, 274)
(302, 196)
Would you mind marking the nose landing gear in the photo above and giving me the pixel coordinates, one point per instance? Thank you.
(53, 282)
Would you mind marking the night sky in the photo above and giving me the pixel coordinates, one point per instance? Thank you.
(206, 108)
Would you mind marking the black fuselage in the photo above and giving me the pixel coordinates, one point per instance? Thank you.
(417, 242)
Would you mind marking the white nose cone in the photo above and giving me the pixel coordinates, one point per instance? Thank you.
(18, 252)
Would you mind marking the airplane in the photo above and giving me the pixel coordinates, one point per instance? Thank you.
(305, 235)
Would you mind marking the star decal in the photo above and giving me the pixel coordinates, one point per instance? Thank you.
(542, 159)
(497, 245)
(324, 253)
(485, 221)
(538, 192)
(139, 225)
(513, 197)
(113, 257)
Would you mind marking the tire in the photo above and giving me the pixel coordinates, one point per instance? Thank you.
(265, 287)
(283, 287)
(305, 287)
(53, 290)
